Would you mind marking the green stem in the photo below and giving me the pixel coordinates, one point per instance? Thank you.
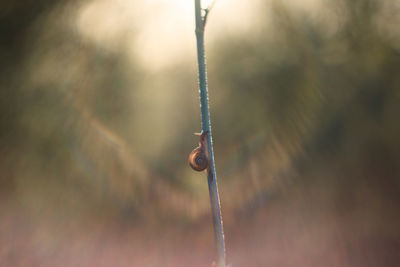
(206, 127)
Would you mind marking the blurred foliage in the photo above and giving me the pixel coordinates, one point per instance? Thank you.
(320, 92)
(304, 95)
(304, 110)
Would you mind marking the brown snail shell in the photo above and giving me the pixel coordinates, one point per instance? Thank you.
(197, 158)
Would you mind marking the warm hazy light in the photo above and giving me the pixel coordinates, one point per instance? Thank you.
(158, 32)
(100, 99)
(207, 3)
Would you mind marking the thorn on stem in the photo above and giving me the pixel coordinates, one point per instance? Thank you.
(204, 19)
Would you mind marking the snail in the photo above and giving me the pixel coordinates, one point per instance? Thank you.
(198, 159)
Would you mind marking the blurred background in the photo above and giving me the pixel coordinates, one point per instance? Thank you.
(98, 107)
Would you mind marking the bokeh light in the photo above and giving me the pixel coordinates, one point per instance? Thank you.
(99, 103)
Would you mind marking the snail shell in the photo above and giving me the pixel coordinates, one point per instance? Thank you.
(197, 158)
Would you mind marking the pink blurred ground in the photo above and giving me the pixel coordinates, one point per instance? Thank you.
(304, 229)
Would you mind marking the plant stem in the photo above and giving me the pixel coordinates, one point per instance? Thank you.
(206, 127)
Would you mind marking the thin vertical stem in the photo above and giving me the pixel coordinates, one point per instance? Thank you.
(206, 127)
